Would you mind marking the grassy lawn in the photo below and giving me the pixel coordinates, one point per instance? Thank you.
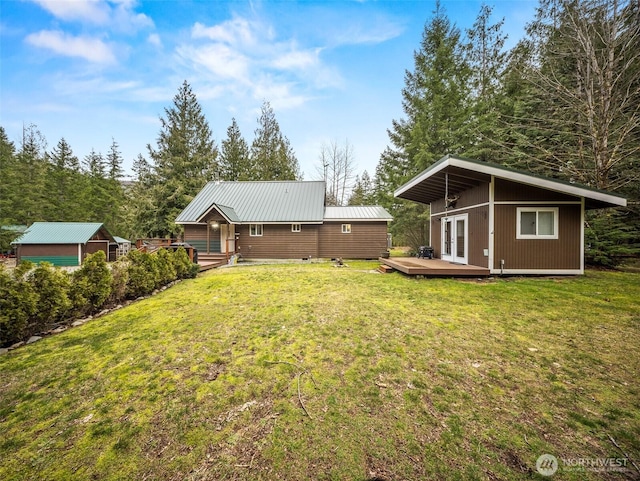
(300, 372)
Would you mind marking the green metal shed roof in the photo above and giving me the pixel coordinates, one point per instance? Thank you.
(259, 202)
(356, 213)
(62, 233)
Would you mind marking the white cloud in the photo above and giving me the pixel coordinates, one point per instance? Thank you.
(117, 14)
(246, 59)
(154, 39)
(92, 49)
(92, 11)
(219, 59)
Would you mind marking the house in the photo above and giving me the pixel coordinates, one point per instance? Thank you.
(503, 220)
(280, 220)
(62, 243)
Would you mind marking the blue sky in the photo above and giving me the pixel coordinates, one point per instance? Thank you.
(93, 70)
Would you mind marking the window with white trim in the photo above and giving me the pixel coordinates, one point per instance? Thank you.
(537, 223)
(346, 228)
(296, 227)
(255, 230)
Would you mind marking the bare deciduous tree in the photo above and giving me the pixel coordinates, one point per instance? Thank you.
(337, 168)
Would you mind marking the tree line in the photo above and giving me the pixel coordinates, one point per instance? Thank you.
(564, 103)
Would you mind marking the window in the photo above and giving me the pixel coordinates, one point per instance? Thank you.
(346, 228)
(296, 227)
(255, 230)
(537, 223)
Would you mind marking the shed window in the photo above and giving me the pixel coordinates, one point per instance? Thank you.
(296, 227)
(255, 230)
(346, 228)
(537, 223)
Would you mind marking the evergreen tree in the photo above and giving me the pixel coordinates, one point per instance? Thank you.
(8, 187)
(363, 192)
(64, 185)
(31, 170)
(96, 197)
(234, 155)
(114, 216)
(114, 161)
(436, 103)
(271, 155)
(183, 161)
(486, 58)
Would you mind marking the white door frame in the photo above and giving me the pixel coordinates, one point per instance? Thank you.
(454, 234)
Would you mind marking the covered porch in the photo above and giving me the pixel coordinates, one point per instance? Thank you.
(414, 266)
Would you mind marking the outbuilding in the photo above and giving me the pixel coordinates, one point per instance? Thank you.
(504, 220)
(62, 243)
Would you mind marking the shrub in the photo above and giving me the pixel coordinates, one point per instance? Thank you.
(185, 269)
(91, 284)
(142, 274)
(120, 279)
(165, 268)
(17, 303)
(51, 286)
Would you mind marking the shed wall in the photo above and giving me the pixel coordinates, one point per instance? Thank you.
(367, 240)
(537, 254)
(56, 254)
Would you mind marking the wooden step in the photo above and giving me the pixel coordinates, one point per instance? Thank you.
(385, 269)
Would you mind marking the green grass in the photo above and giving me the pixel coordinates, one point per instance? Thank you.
(302, 372)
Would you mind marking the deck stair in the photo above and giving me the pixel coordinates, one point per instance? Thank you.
(385, 269)
(211, 261)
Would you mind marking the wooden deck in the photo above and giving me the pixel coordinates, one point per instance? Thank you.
(433, 267)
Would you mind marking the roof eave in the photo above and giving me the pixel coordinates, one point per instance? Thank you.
(602, 199)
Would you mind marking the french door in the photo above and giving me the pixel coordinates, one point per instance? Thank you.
(455, 238)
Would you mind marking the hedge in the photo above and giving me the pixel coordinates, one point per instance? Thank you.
(33, 300)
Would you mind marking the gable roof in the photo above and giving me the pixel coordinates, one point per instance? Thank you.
(462, 174)
(62, 233)
(356, 213)
(259, 202)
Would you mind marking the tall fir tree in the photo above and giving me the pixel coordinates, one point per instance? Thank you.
(235, 163)
(486, 58)
(272, 157)
(31, 170)
(363, 192)
(436, 103)
(8, 186)
(114, 216)
(184, 159)
(64, 185)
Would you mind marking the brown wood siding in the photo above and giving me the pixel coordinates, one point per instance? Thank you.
(367, 240)
(561, 253)
(474, 196)
(478, 227)
(92, 247)
(278, 242)
(513, 191)
(48, 250)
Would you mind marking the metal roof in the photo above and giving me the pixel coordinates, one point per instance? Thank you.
(62, 233)
(356, 213)
(259, 202)
(453, 175)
